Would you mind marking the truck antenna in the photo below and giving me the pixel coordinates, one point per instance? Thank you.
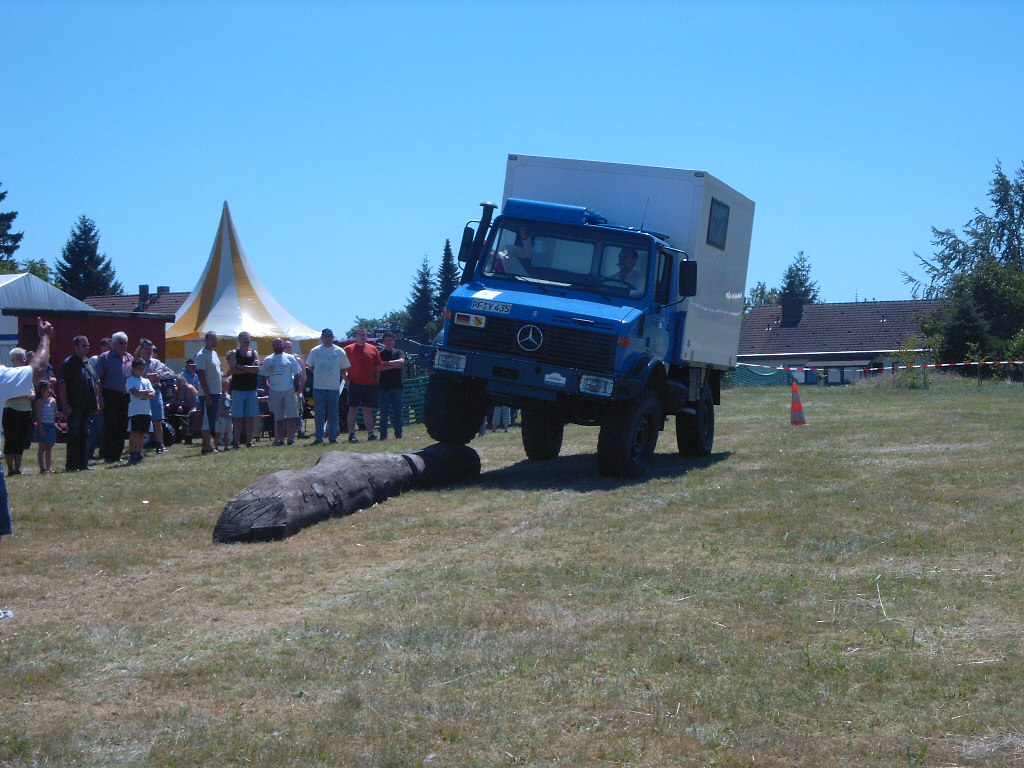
(644, 219)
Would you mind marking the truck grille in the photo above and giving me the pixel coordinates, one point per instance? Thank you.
(569, 347)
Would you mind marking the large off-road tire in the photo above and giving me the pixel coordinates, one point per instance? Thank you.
(454, 410)
(542, 435)
(695, 433)
(628, 438)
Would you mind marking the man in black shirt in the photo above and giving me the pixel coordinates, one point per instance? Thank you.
(80, 399)
(244, 368)
(390, 387)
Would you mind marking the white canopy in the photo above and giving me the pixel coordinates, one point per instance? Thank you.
(26, 291)
(230, 298)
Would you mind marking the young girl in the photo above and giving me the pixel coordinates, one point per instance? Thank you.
(139, 412)
(45, 407)
(223, 430)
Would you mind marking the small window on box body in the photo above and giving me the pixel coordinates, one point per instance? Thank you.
(718, 224)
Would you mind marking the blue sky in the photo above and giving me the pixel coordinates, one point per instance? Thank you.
(350, 139)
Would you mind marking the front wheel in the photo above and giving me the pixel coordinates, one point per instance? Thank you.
(542, 435)
(695, 433)
(454, 410)
(628, 438)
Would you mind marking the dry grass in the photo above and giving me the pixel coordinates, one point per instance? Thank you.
(845, 593)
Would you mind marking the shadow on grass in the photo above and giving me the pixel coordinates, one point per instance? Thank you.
(579, 472)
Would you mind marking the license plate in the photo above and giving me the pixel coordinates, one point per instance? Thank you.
(497, 307)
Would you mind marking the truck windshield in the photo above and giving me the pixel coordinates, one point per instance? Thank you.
(604, 262)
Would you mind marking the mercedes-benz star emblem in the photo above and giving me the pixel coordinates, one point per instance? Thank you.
(530, 338)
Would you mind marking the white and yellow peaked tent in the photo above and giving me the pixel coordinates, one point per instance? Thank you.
(230, 298)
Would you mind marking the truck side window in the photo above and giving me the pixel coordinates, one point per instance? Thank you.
(663, 286)
(718, 223)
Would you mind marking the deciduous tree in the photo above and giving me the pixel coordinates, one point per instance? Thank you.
(393, 321)
(761, 296)
(980, 272)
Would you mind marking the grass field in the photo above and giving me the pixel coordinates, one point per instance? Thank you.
(846, 593)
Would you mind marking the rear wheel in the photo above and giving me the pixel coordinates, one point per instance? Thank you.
(695, 432)
(454, 410)
(542, 436)
(627, 440)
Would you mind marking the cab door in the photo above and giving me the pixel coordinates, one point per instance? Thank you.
(661, 329)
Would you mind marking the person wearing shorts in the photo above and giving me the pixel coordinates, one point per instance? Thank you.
(17, 419)
(19, 382)
(363, 375)
(244, 368)
(140, 414)
(282, 375)
(155, 372)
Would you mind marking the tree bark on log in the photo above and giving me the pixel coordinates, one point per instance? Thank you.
(340, 483)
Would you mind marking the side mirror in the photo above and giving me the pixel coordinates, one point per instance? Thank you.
(467, 243)
(687, 278)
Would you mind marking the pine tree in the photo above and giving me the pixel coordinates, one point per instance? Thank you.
(9, 241)
(422, 303)
(395, 321)
(797, 283)
(447, 278)
(82, 271)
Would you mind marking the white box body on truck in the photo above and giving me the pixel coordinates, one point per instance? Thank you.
(602, 294)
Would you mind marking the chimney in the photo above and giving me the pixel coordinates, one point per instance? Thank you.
(163, 289)
(143, 298)
(792, 311)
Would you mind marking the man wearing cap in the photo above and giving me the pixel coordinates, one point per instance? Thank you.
(327, 361)
(190, 374)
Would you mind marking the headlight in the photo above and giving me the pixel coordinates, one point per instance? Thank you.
(449, 361)
(596, 385)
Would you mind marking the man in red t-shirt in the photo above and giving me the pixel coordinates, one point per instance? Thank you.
(362, 383)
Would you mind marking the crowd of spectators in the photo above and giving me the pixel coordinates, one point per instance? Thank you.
(102, 401)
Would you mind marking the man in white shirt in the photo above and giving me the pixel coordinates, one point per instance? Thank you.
(208, 370)
(328, 363)
(283, 376)
(19, 382)
(629, 273)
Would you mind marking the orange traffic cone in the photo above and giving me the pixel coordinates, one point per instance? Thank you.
(796, 411)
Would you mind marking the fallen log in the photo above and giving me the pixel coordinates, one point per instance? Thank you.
(340, 483)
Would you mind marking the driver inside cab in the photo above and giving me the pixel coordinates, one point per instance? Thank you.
(514, 260)
(629, 273)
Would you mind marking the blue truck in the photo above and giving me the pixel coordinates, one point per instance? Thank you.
(602, 294)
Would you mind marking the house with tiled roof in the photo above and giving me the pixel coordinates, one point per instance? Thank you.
(162, 301)
(845, 337)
